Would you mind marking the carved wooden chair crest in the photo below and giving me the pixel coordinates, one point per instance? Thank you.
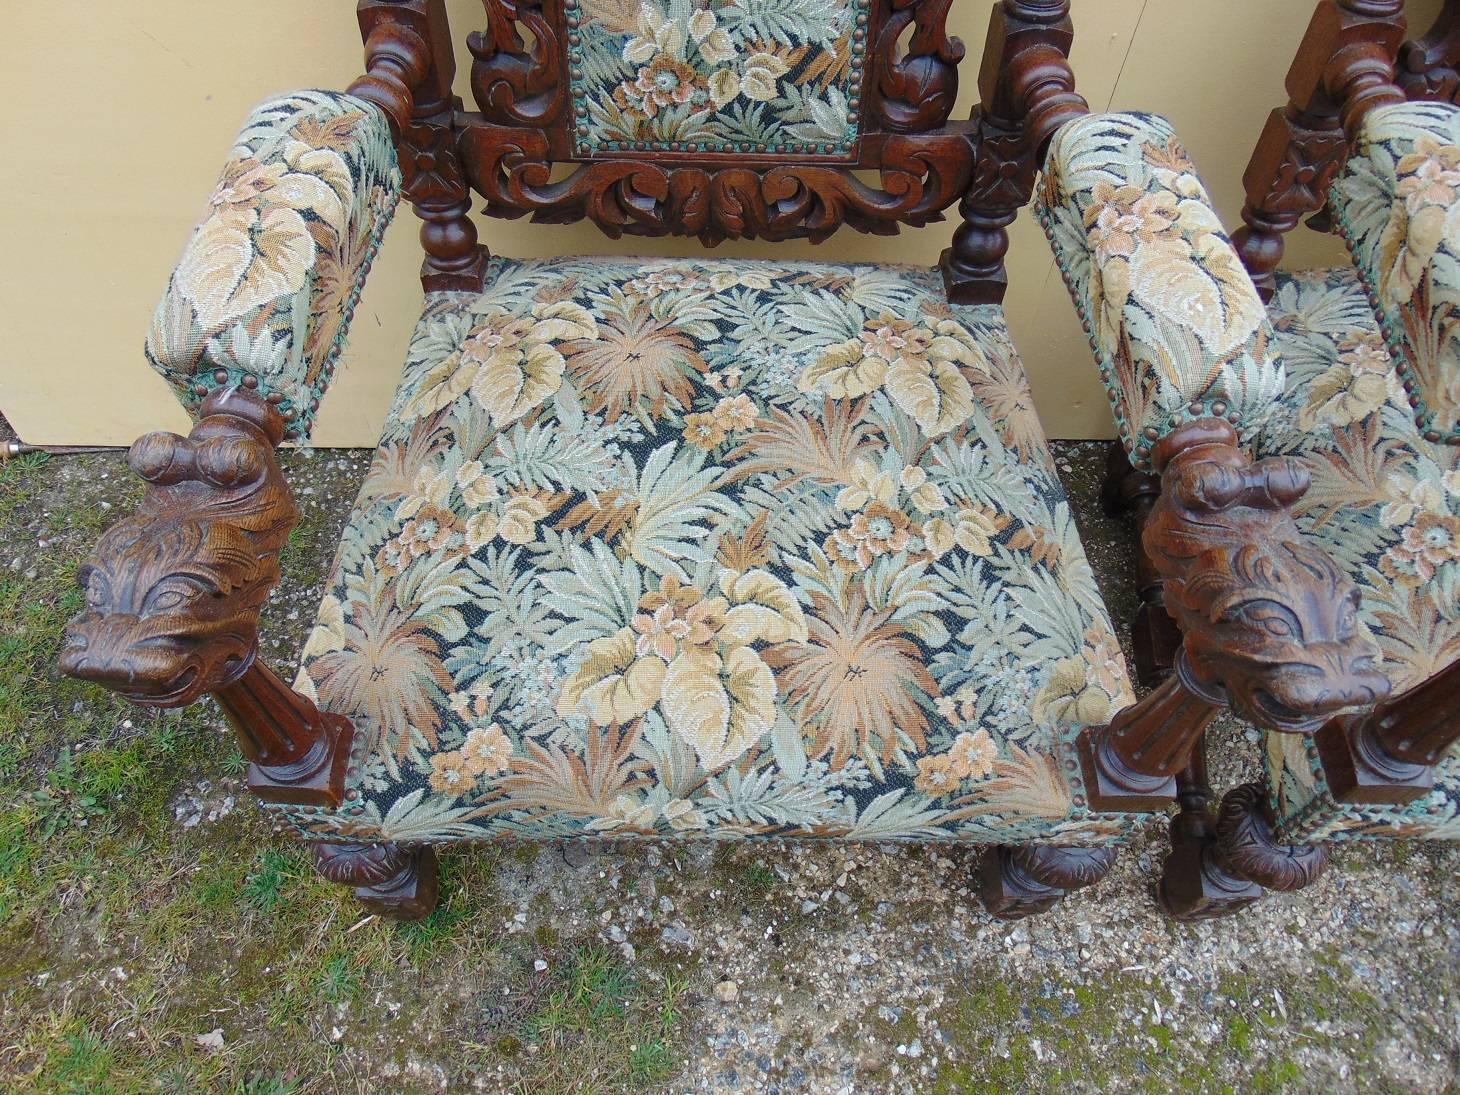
(686, 549)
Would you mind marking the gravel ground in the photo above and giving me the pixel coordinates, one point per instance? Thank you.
(869, 969)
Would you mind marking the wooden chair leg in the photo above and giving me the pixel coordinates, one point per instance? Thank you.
(1194, 884)
(1387, 755)
(389, 879)
(1215, 877)
(1154, 634)
(1024, 879)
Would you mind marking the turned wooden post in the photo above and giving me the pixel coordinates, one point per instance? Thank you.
(1343, 68)
(410, 65)
(1026, 91)
(1269, 622)
(173, 595)
(296, 753)
(1387, 755)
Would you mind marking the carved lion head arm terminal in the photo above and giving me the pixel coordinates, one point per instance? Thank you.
(1269, 620)
(173, 592)
(248, 333)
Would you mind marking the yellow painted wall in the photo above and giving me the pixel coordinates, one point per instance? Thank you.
(118, 116)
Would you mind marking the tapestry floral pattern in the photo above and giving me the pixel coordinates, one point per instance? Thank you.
(1385, 504)
(728, 75)
(1176, 324)
(718, 549)
(265, 290)
(1397, 204)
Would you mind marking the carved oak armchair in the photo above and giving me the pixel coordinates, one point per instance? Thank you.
(702, 549)
(1372, 357)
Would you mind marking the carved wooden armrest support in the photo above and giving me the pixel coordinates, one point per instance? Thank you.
(173, 595)
(1269, 622)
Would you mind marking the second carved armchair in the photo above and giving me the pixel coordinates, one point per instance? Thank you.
(691, 549)
(1368, 412)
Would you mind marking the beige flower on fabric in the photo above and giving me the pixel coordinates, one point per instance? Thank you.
(451, 774)
(487, 751)
(511, 364)
(972, 755)
(1353, 387)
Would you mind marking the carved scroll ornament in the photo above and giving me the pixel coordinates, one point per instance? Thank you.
(920, 176)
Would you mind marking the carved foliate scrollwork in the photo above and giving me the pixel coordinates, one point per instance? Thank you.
(920, 177)
(512, 83)
(1246, 844)
(173, 592)
(1269, 621)
(917, 88)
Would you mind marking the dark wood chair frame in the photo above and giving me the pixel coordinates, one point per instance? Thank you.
(1352, 59)
(224, 479)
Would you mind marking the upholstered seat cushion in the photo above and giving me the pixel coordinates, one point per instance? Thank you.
(1385, 504)
(715, 549)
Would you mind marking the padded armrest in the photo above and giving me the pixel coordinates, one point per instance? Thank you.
(1176, 324)
(265, 289)
(1397, 206)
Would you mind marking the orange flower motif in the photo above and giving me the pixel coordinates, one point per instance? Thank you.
(972, 755)
(735, 413)
(1121, 217)
(892, 338)
(487, 750)
(877, 530)
(935, 775)
(665, 82)
(431, 530)
(704, 430)
(673, 615)
(1432, 541)
(451, 774)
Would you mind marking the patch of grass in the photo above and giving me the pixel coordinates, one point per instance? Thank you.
(263, 889)
(596, 1026)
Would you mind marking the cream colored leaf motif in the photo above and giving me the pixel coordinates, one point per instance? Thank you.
(752, 690)
(696, 706)
(764, 610)
(239, 259)
(724, 86)
(319, 180)
(515, 380)
(613, 684)
(936, 394)
(561, 321)
(761, 73)
(442, 386)
(842, 372)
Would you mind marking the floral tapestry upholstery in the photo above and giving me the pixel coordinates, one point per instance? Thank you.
(265, 289)
(1176, 324)
(716, 549)
(1397, 204)
(1385, 504)
(727, 75)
